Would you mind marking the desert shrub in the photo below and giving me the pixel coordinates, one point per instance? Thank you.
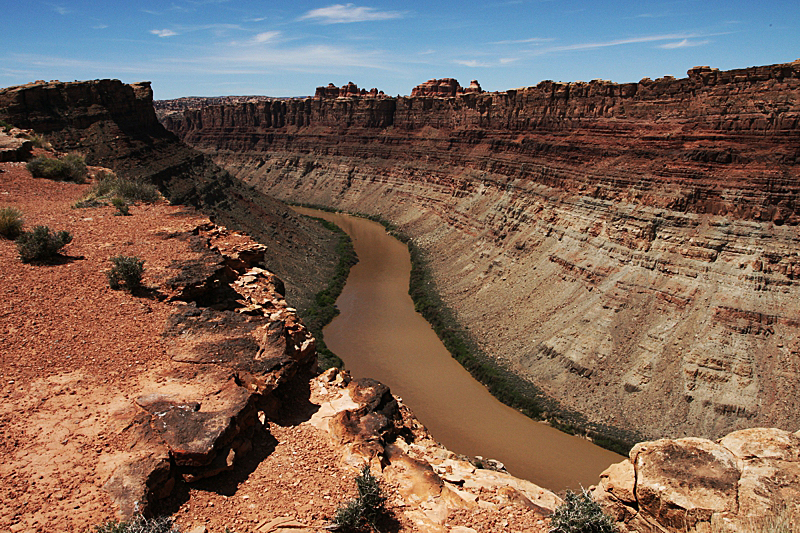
(40, 244)
(71, 167)
(138, 524)
(580, 514)
(5, 126)
(122, 207)
(10, 222)
(109, 186)
(127, 270)
(367, 508)
(39, 142)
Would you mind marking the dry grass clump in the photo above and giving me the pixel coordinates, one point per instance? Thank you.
(109, 187)
(10, 222)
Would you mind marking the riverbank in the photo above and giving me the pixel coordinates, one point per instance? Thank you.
(503, 384)
(380, 334)
(323, 308)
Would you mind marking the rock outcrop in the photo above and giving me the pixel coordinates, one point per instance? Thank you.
(243, 341)
(370, 426)
(114, 125)
(445, 87)
(629, 248)
(697, 485)
(346, 91)
(15, 146)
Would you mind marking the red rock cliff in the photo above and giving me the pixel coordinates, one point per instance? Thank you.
(630, 248)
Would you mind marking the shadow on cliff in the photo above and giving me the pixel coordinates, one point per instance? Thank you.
(226, 483)
(292, 402)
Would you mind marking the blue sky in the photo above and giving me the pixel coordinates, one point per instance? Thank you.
(277, 48)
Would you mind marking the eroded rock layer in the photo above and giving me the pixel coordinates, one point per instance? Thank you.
(630, 248)
(114, 125)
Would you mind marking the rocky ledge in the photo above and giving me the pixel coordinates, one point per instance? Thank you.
(698, 485)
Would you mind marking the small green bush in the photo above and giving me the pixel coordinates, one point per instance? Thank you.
(122, 207)
(40, 244)
(580, 514)
(368, 507)
(71, 167)
(109, 186)
(10, 222)
(127, 270)
(138, 524)
(5, 126)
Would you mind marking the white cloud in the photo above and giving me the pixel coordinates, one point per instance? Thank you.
(686, 43)
(266, 36)
(472, 63)
(61, 10)
(100, 27)
(532, 40)
(618, 42)
(164, 33)
(507, 60)
(679, 37)
(345, 13)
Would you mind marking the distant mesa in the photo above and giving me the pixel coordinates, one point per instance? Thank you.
(445, 87)
(346, 91)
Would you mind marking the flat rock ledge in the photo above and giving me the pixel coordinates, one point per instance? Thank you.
(15, 145)
(698, 485)
(234, 342)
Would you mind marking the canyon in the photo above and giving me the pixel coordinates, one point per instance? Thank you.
(629, 249)
(696, 289)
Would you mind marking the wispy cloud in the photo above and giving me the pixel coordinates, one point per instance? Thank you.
(346, 13)
(100, 27)
(632, 40)
(306, 58)
(164, 33)
(218, 29)
(61, 10)
(266, 37)
(472, 63)
(507, 60)
(532, 40)
(685, 43)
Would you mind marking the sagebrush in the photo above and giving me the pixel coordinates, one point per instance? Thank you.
(110, 186)
(138, 524)
(126, 270)
(121, 205)
(366, 509)
(71, 167)
(580, 514)
(40, 244)
(10, 222)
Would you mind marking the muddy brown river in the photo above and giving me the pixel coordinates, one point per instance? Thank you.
(379, 335)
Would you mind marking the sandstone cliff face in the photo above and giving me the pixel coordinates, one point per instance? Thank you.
(114, 125)
(630, 248)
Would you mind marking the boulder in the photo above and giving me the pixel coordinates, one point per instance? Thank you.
(697, 485)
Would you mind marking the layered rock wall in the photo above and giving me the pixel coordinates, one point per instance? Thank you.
(630, 248)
